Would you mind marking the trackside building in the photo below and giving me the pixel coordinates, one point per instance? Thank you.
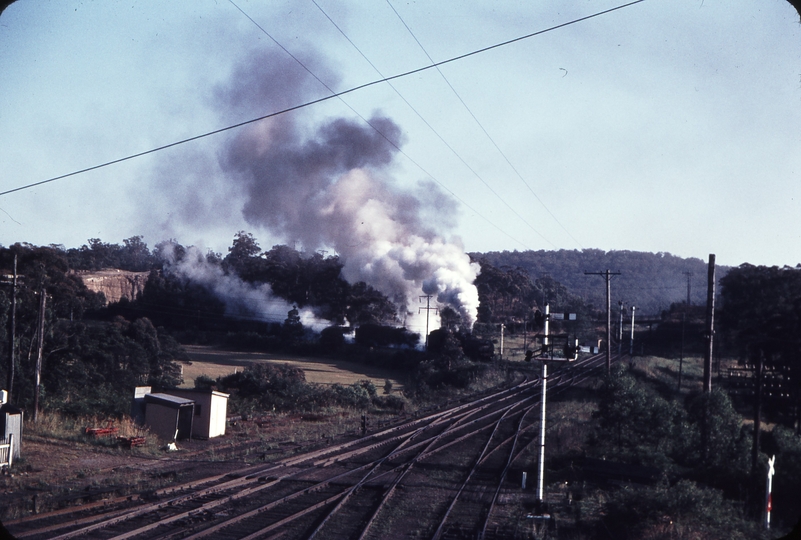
(180, 413)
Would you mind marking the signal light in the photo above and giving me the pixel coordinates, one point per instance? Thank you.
(539, 319)
(571, 352)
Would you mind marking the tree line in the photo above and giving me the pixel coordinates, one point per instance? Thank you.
(650, 281)
(759, 312)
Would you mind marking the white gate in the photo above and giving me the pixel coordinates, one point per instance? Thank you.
(6, 452)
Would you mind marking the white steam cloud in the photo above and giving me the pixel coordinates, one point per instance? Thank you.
(241, 299)
(329, 186)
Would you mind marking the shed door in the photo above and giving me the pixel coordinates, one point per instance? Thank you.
(185, 415)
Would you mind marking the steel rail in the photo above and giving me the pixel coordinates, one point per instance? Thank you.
(325, 458)
(459, 421)
(255, 472)
(427, 451)
(406, 469)
(509, 462)
(479, 459)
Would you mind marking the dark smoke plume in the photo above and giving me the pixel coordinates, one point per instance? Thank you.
(327, 184)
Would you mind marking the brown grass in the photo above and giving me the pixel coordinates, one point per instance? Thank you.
(219, 363)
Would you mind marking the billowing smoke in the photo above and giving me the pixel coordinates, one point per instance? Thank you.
(328, 184)
(243, 300)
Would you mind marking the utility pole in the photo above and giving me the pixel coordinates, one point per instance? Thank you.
(631, 343)
(428, 308)
(608, 276)
(12, 333)
(502, 327)
(759, 374)
(710, 324)
(689, 275)
(525, 335)
(40, 346)
(681, 353)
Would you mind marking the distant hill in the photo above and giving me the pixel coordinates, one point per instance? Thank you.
(649, 281)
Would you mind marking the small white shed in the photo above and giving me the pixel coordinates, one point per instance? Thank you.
(10, 426)
(211, 411)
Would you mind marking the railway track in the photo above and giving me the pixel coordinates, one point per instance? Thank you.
(437, 476)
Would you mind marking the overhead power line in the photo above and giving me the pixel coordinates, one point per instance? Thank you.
(486, 133)
(366, 121)
(447, 145)
(319, 100)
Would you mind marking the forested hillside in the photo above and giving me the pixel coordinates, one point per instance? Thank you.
(649, 281)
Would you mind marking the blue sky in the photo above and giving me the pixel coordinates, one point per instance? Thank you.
(662, 126)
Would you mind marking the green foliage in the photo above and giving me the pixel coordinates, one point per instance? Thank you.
(727, 446)
(702, 441)
(391, 402)
(204, 382)
(369, 387)
(505, 294)
(760, 309)
(241, 254)
(97, 365)
(332, 338)
(308, 281)
(354, 396)
(89, 367)
(639, 272)
(635, 423)
(761, 314)
(292, 329)
(269, 387)
(133, 256)
(174, 303)
(683, 510)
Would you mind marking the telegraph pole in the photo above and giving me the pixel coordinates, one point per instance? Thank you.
(608, 276)
(631, 343)
(39, 348)
(502, 327)
(710, 324)
(428, 308)
(681, 354)
(12, 333)
(689, 275)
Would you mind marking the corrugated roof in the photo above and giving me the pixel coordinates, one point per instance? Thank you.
(197, 391)
(8, 408)
(168, 400)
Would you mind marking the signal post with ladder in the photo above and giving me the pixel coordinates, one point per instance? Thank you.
(546, 354)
